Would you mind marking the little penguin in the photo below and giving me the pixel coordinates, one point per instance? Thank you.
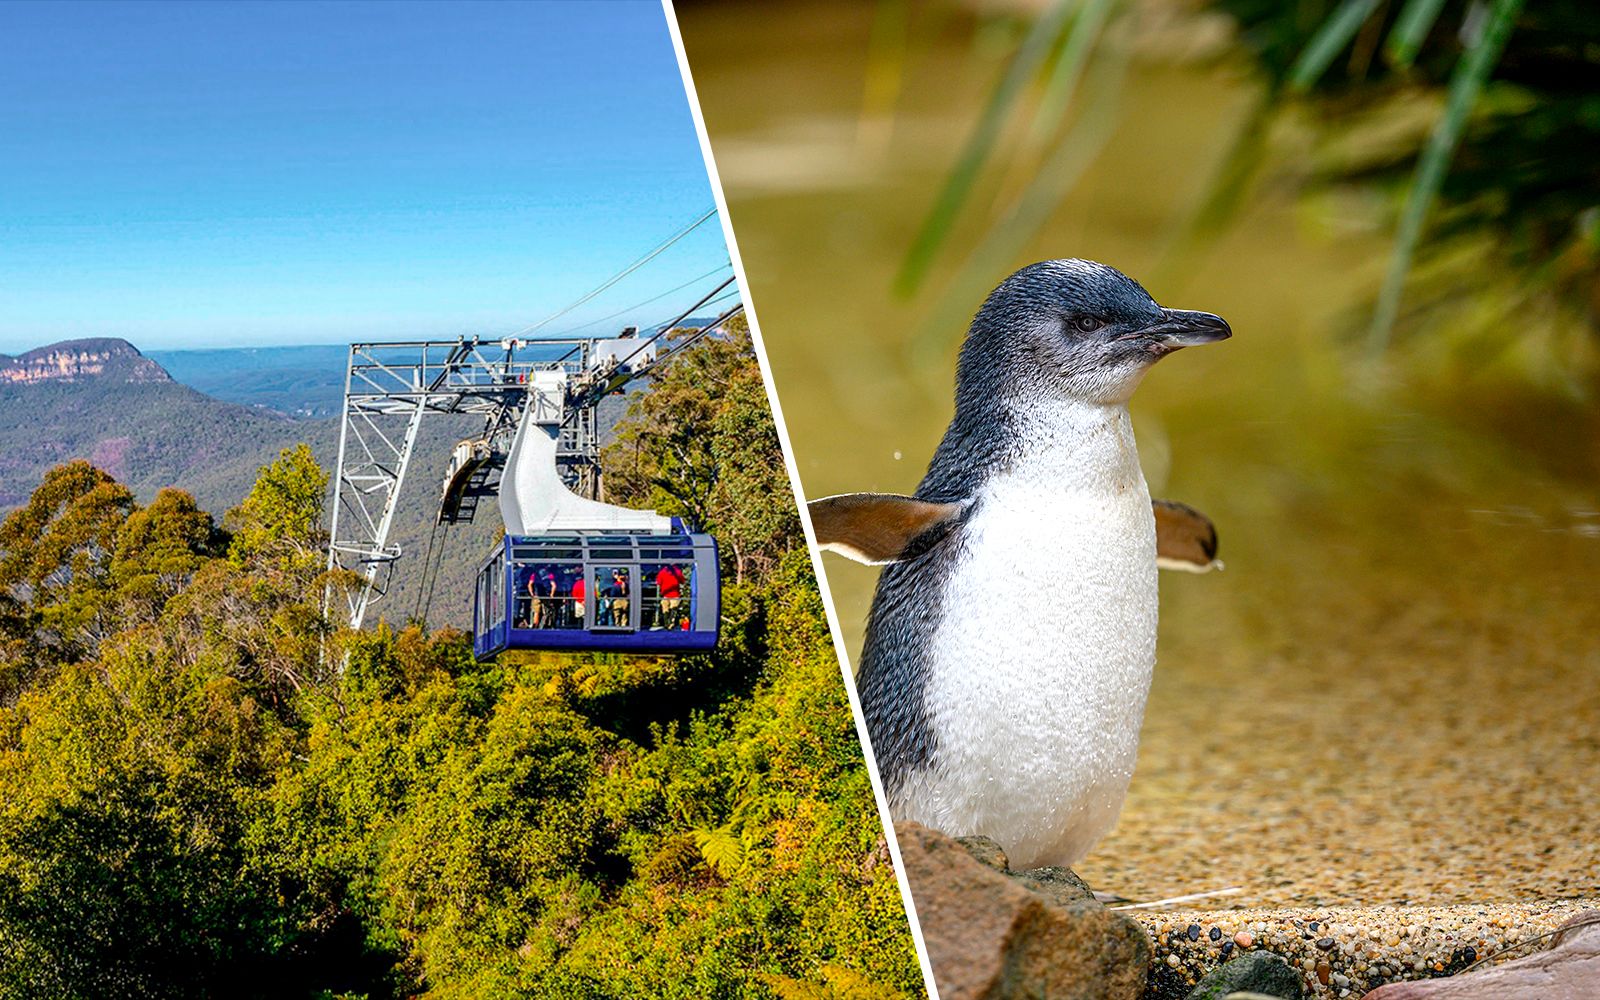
(1012, 636)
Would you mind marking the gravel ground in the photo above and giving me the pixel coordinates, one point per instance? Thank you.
(1357, 736)
(1410, 762)
(1345, 951)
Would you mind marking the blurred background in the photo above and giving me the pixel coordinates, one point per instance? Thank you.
(1392, 694)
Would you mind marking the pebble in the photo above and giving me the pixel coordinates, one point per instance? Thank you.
(1358, 949)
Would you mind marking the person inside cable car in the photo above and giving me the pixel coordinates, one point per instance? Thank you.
(577, 598)
(550, 597)
(616, 594)
(541, 591)
(669, 585)
(527, 609)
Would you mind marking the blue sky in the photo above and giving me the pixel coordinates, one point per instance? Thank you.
(211, 174)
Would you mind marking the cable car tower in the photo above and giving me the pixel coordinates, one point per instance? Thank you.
(538, 453)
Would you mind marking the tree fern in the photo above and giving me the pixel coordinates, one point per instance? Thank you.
(720, 849)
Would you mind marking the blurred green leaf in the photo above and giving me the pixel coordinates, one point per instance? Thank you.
(1008, 238)
(1405, 38)
(1335, 33)
(1068, 71)
(1042, 38)
(1466, 83)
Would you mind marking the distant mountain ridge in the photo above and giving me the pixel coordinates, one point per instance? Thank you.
(90, 359)
(102, 400)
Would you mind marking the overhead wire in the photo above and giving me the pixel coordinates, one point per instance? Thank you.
(690, 340)
(657, 251)
(417, 613)
(653, 298)
(432, 583)
(671, 323)
(666, 326)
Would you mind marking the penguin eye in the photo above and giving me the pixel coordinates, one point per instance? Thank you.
(1087, 324)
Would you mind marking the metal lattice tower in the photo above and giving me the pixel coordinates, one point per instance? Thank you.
(388, 389)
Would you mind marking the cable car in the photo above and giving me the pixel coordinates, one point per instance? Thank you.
(641, 592)
(574, 573)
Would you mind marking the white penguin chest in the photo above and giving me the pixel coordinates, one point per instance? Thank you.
(1041, 663)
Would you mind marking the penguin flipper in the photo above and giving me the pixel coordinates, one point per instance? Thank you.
(1185, 538)
(876, 528)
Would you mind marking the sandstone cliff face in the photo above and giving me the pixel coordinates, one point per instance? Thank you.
(81, 361)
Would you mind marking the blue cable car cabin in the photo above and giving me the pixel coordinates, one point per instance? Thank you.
(622, 593)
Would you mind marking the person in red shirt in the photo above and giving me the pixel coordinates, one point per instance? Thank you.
(669, 582)
(577, 598)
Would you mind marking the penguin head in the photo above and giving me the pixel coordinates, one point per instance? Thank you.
(1073, 328)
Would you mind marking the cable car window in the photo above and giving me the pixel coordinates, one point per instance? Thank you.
(497, 594)
(545, 596)
(530, 553)
(664, 596)
(613, 589)
(680, 552)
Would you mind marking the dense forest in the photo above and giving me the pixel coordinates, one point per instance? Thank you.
(208, 790)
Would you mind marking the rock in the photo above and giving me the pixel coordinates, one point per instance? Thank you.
(1258, 972)
(992, 934)
(1578, 925)
(986, 851)
(1061, 884)
(1569, 970)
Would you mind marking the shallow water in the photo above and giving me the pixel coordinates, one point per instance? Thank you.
(1392, 694)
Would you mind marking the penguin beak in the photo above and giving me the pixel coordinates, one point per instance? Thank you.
(1183, 328)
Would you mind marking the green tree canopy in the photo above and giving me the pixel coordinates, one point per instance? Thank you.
(280, 523)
